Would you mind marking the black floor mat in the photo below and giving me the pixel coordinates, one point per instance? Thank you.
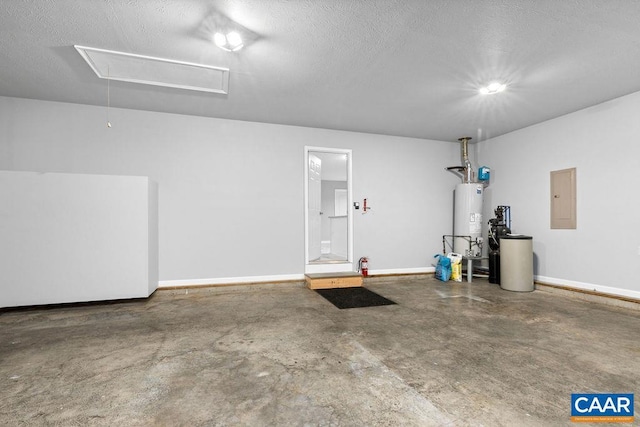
(356, 297)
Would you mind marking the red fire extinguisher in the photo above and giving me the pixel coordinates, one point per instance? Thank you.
(363, 266)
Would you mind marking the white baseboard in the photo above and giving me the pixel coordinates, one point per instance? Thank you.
(588, 287)
(276, 278)
(230, 280)
(417, 270)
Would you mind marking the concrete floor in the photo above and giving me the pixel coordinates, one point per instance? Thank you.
(448, 354)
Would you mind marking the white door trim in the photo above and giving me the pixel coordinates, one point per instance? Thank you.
(329, 267)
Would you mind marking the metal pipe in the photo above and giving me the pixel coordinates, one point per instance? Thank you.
(468, 170)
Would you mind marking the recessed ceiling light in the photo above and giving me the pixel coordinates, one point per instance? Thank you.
(492, 88)
(232, 42)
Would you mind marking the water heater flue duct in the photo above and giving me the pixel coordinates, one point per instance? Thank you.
(468, 170)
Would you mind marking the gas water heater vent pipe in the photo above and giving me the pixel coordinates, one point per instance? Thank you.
(468, 170)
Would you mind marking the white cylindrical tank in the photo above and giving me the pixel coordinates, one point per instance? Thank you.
(516, 263)
(467, 218)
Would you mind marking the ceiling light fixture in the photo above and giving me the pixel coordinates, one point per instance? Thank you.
(232, 42)
(492, 88)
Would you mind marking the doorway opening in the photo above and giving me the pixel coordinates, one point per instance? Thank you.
(328, 213)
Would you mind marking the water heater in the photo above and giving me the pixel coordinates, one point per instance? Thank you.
(467, 208)
(467, 219)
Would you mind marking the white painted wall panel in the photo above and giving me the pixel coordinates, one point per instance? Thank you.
(229, 189)
(601, 142)
(73, 238)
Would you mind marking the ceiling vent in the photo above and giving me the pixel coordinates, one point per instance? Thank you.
(128, 67)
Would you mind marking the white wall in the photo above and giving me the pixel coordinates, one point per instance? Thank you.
(73, 238)
(602, 143)
(329, 204)
(229, 189)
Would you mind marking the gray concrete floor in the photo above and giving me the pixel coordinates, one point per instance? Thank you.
(448, 354)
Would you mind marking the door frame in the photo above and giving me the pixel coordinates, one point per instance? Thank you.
(332, 267)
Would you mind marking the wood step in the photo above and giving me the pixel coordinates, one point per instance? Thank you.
(333, 280)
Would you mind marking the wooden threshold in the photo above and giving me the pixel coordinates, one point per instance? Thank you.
(333, 280)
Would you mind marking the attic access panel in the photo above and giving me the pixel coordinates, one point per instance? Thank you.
(129, 67)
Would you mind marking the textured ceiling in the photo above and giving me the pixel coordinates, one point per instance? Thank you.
(403, 67)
